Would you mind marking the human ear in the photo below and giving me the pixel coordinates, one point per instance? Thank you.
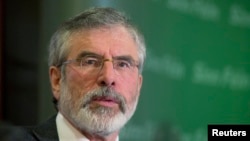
(55, 78)
(140, 79)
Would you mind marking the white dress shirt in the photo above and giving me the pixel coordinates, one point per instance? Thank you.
(67, 132)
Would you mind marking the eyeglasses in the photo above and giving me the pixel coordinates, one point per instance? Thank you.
(121, 65)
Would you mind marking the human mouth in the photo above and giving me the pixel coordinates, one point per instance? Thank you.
(106, 101)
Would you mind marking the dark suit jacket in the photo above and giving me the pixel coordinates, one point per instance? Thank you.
(46, 131)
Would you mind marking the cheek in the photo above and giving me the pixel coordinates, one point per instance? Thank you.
(79, 82)
(129, 88)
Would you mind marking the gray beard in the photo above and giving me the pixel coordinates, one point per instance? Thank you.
(100, 121)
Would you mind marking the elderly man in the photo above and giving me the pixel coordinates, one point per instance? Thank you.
(95, 68)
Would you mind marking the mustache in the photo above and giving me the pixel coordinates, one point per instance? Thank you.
(105, 92)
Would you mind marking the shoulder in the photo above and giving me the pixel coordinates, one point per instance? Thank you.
(46, 131)
(14, 133)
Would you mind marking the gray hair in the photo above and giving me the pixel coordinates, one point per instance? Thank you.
(91, 19)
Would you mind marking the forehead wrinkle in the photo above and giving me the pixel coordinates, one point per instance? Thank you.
(79, 41)
(92, 40)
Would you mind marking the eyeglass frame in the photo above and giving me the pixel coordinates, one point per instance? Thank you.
(101, 61)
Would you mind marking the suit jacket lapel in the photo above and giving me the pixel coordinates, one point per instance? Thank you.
(47, 131)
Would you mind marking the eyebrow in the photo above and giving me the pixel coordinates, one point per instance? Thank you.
(88, 53)
(125, 57)
(128, 58)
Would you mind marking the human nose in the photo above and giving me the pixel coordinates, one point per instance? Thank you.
(106, 74)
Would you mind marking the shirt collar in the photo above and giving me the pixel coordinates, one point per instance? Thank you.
(67, 132)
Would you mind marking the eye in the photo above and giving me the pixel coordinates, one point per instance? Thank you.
(90, 61)
(122, 64)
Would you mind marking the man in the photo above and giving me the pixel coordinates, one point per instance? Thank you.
(95, 68)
